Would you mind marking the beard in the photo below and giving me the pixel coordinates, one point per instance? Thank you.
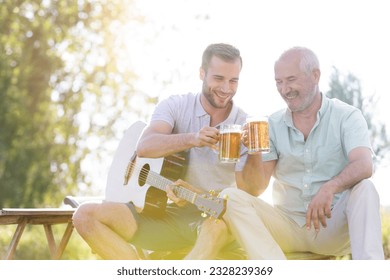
(213, 99)
(302, 102)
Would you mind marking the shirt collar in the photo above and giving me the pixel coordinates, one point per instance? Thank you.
(324, 105)
(200, 111)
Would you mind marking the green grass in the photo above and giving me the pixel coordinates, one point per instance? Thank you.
(33, 244)
(386, 232)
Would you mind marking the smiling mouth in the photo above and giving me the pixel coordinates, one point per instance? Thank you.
(291, 96)
(222, 96)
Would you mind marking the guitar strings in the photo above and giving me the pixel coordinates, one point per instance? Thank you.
(215, 205)
(161, 182)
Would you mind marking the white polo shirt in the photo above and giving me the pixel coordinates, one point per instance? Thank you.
(185, 114)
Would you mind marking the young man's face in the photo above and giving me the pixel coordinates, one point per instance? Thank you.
(220, 81)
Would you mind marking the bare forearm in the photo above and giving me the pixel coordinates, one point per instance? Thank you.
(353, 173)
(253, 178)
(158, 140)
(160, 145)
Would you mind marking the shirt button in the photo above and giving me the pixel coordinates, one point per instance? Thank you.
(307, 170)
(305, 186)
(307, 150)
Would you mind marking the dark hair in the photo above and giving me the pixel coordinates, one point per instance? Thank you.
(226, 52)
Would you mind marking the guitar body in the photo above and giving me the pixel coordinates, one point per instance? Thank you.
(146, 198)
(143, 181)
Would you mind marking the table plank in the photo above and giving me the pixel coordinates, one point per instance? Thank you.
(36, 211)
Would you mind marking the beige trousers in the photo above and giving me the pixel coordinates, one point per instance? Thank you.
(266, 232)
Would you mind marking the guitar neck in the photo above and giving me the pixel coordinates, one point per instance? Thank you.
(156, 180)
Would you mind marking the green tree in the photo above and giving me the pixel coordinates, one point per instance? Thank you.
(348, 89)
(60, 68)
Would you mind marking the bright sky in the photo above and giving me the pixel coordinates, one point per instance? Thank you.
(350, 35)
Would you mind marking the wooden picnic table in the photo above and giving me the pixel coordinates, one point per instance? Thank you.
(38, 216)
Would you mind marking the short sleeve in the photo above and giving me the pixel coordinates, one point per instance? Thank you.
(165, 111)
(355, 131)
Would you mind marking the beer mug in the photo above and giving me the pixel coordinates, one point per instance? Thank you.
(229, 143)
(258, 135)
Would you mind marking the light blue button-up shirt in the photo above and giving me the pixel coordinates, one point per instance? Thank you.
(304, 166)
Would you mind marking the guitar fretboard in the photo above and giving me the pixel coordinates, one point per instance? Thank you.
(156, 180)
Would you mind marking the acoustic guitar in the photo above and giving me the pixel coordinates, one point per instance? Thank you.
(144, 181)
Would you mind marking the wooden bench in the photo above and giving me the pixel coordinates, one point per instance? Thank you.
(308, 256)
(38, 216)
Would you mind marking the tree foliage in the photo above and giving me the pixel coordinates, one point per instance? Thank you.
(60, 68)
(348, 89)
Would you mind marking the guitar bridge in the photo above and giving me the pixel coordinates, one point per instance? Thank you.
(129, 169)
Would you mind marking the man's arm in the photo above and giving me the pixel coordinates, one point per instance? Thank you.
(360, 167)
(157, 140)
(255, 176)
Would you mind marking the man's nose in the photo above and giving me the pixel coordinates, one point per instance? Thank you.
(285, 88)
(225, 87)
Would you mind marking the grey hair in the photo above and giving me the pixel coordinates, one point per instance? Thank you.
(309, 60)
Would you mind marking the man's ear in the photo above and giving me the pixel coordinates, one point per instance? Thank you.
(317, 75)
(202, 73)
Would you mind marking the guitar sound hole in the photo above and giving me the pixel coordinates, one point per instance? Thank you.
(143, 175)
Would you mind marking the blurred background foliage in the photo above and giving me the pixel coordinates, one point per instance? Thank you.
(347, 87)
(67, 92)
(62, 80)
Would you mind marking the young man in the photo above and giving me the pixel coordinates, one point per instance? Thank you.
(321, 160)
(180, 123)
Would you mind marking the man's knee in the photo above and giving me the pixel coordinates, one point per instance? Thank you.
(90, 217)
(214, 227)
(215, 233)
(233, 194)
(365, 188)
(236, 198)
(83, 216)
(364, 193)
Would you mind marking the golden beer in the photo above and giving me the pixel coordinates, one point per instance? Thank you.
(230, 143)
(258, 135)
